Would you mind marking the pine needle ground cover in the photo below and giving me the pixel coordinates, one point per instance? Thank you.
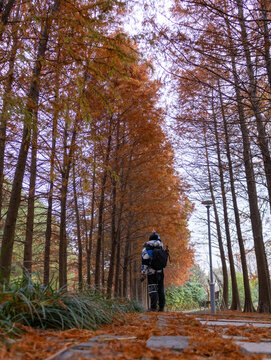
(134, 330)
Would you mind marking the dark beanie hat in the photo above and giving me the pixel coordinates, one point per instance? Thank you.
(154, 236)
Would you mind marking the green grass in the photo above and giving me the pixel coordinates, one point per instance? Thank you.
(32, 304)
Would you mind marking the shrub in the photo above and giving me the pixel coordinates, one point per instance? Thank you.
(44, 307)
(186, 297)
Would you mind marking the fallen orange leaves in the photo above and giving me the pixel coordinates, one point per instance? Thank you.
(137, 329)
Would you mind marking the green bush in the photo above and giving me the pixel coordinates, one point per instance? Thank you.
(240, 285)
(186, 297)
(44, 307)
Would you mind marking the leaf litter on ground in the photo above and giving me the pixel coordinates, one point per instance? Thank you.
(133, 332)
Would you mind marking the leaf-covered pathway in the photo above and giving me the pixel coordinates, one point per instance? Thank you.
(230, 335)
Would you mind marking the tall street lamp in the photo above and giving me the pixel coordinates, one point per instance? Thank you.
(208, 204)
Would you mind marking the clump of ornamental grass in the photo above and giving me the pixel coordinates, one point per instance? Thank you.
(33, 304)
(8, 328)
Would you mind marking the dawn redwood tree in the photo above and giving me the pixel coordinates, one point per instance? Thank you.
(264, 304)
(118, 280)
(207, 46)
(30, 111)
(101, 208)
(235, 305)
(225, 294)
(89, 243)
(59, 63)
(6, 101)
(253, 96)
(27, 262)
(134, 99)
(248, 304)
(78, 231)
(265, 10)
(126, 257)
(65, 175)
(48, 232)
(114, 228)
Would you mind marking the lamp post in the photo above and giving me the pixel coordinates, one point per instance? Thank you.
(208, 204)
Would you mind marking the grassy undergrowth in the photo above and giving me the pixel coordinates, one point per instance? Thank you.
(32, 304)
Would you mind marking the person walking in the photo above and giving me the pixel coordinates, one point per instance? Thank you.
(154, 259)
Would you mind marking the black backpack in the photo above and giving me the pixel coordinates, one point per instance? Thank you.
(159, 258)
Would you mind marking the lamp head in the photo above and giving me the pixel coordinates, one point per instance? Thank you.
(207, 202)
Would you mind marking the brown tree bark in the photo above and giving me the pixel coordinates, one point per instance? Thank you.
(134, 280)
(113, 216)
(103, 260)
(248, 304)
(31, 109)
(89, 244)
(5, 13)
(124, 181)
(235, 305)
(266, 36)
(225, 298)
(117, 261)
(117, 265)
(78, 229)
(27, 262)
(113, 239)
(252, 91)
(5, 106)
(264, 302)
(126, 259)
(130, 264)
(67, 161)
(101, 210)
(48, 232)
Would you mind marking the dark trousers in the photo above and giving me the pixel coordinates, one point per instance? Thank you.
(156, 290)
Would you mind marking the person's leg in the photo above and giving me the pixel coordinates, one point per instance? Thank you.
(152, 290)
(161, 291)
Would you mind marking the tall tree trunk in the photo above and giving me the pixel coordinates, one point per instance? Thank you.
(31, 109)
(252, 91)
(101, 210)
(5, 107)
(120, 288)
(235, 305)
(48, 232)
(126, 259)
(113, 239)
(225, 298)
(118, 237)
(63, 201)
(113, 215)
(85, 219)
(264, 302)
(89, 246)
(266, 35)
(31, 201)
(248, 304)
(67, 159)
(130, 273)
(5, 13)
(79, 240)
(103, 260)
(135, 288)
(118, 258)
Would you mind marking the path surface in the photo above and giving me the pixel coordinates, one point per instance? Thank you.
(174, 336)
(162, 336)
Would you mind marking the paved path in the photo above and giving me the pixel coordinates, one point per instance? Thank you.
(177, 336)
